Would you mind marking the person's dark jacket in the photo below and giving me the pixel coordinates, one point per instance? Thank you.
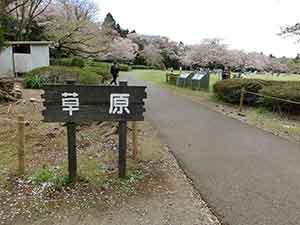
(114, 70)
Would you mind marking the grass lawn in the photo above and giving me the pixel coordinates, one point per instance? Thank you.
(282, 77)
(158, 77)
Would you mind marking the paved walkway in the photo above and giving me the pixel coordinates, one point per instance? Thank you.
(246, 175)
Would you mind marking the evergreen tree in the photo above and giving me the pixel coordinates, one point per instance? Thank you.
(109, 22)
(2, 40)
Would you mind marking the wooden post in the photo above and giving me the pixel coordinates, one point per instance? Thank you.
(21, 145)
(13, 62)
(134, 141)
(122, 148)
(242, 99)
(72, 155)
(122, 143)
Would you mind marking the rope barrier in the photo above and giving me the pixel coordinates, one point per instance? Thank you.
(276, 98)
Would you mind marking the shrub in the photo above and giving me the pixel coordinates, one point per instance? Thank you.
(100, 68)
(47, 176)
(99, 71)
(59, 74)
(143, 67)
(89, 77)
(106, 66)
(34, 81)
(283, 90)
(230, 90)
(76, 61)
(61, 62)
(124, 67)
(140, 67)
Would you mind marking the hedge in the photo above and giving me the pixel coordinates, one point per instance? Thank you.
(143, 67)
(230, 91)
(58, 74)
(124, 67)
(284, 90)
(106, 66)
(76, 61)
(140, 67)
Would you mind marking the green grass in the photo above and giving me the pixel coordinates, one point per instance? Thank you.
(47, 175)
(158, 77)
(282, 77)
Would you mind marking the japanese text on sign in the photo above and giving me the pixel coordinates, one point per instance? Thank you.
(119, 104)
(70, 102)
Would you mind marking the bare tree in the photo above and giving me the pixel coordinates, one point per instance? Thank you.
(291, 31)
(26, 13)
(9, 6)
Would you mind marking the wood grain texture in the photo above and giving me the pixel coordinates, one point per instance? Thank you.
(94, 103)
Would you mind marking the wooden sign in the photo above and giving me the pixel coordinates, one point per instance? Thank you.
(74, 104)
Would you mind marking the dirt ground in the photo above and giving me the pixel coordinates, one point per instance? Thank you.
(156, 190)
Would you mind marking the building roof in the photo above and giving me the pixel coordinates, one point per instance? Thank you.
(29, 42)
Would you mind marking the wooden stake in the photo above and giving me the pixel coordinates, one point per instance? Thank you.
(134, 141)
(21, 144)
(242, 99)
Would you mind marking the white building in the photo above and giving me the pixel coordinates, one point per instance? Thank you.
(23, 56)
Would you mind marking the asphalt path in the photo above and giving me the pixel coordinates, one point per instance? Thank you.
(246, 175)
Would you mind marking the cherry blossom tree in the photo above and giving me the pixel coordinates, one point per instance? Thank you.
(152, 55)
(257, 61)
(121, 49)
(208, 52)
(235, 59)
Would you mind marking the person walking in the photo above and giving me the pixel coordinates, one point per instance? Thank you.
(114, 70)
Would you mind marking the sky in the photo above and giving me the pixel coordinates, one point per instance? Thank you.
(251, 25)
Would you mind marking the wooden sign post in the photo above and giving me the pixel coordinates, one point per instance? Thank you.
(122, 142)
(74, 104)
(72, 155)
